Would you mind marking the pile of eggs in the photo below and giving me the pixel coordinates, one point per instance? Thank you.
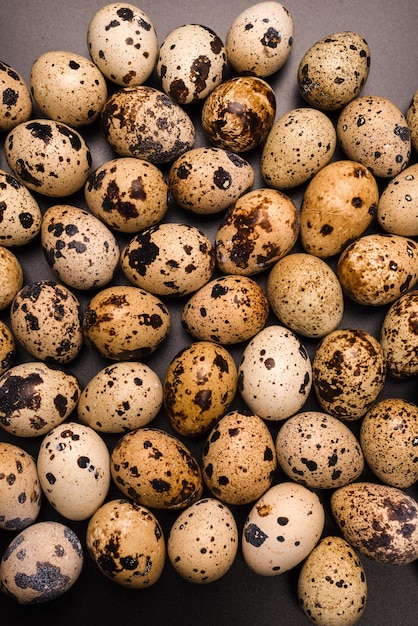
(232, 427)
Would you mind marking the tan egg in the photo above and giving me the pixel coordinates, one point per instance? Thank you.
(7, 348)
(412, 120)
(397, 210)
(258, 230)
(156, 469)
(15, 98)
(349, 371)
(305, 294)
(300, 143)
(11, 277)
(338, 205)
(377, 269)
(398, 336)
(239, 458)
(21, 214)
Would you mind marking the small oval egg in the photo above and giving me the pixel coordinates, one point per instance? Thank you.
(15, 98)
(11, 277)
(397, 209)
(398, 336)
(7, 348)
(412, 120)
(21, 214)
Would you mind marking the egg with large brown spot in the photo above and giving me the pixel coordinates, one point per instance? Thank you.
(21, 213)
(15, 98)
(398, 336)
(7, 348)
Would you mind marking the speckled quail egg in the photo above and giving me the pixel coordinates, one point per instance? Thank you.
(11, 277)
(338, 205)
(239, 113)
(275, 373)
(300, 143)
(258, 230)
(373, 131)
(21, 215)
(208, 180)
(397, 210)
(146, 123)
(15, 98)
(41, 563)
(123, 43)
(191, 63)
(46, 319)
(35, 397)
(398, 336)
(380, 521)
(334, 70)
(7, 348)
(228, 310)
(282, 528)
(239, 458)
(349, 371)
(127, 194)
(412, 120)
(20, 491)
(332, 585)
(203, 541)
(126, 542)
(260, 38)
(156, 469)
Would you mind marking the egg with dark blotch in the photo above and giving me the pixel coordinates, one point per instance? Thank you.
(11, 277)
(7, 348)
(15, 98)
(398, 336)
(21, 213)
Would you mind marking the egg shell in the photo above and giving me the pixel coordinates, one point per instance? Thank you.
(259, 40)
(228, 310)
(239, 113)
(120, 397)
(239, 458)
(21, 214)
(20, 491)
(282, 528)
(46, 319)
(79, 92)
(380, 521)
(74, 470)
(332, 585)
(36, 397)
(299, 144)
(41, 563)
(397, 209)
(11, 277)
(258, 230)
(203, 541)
(145, 123)
(412, 120)
(377, 269)
(156, 469)
(126, 542)
(398, 336)
(122, 42)
(275, 373)
(125, 323)
(82, 252)
(208, 180)
(199, 386)
(7, 348)
(15, 98)
(127, 194)
(373, 131)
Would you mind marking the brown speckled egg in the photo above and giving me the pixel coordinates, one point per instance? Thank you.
(15, 98)
(338, 205)
(349, 371)
(412, 120)
(373, 131)
(7, 348)
(300, 143)
(145, 123)
(239, 113)
(227, 310)
(398, 336)
(239, 458)
(21, 214)
(206, 180)
(377, 269)
(126, 542)
(258, 230)
(199, 386)
(11, 277)
(397, 210)
(380, 521)
(155, 469)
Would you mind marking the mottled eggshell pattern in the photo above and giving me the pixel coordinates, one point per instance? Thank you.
(300, 143)
(412, 120)
(203, 541)
(397, 210)
(15, 98)
(126, 542)
(398, 336)
(282, 528)
(7, 348)
(35, 397)
(227, 310)
(145, 123)
(121, 397)
(74, 470)
(206, 181)
(380, 521)
(123, 43)
(332, 585)
(373, 131)
(258, 230)
(20, 491)
(11, 277)
(41, 563)
(275, 373)
(338, 205)
(349, 371)
(156, 469)
(21, 214)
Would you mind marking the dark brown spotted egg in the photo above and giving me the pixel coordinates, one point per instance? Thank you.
(412, 120)
(7, 348)
(21, 213)
(397, 209)
(15, 98)
(398, 336)
(11, 277)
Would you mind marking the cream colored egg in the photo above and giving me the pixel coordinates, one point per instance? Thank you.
(397, 210)
(398, 336)
(15, 98)
(7, 348)
(412, 120)
(11, 277)
(21, 214)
